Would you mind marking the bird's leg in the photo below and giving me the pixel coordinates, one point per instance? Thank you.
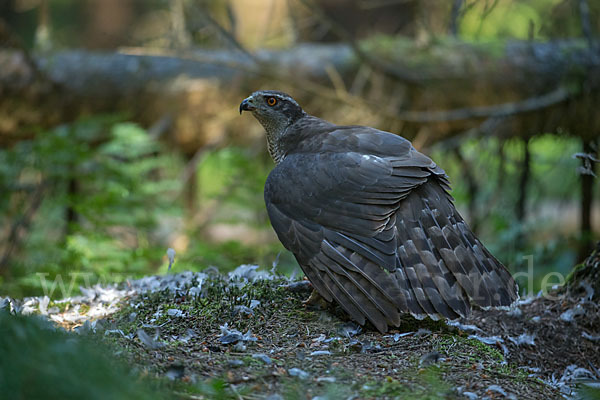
(315, 301)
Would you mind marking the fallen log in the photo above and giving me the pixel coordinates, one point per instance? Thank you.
(519, 88)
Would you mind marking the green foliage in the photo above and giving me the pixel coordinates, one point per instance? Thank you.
(39, 362)
(589, 393)
(428, 385)
(217, 306)
(230, 254)
(112, 176)
(519, 19)
(234, 177)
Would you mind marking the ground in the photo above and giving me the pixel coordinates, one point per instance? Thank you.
(249, 335)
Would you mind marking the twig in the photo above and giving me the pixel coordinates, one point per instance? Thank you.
(487, 127)
(455, 13)
(336, 80)
(499, 110)
(228, 36)
(160, 127)
(487, 10)
(586, 26)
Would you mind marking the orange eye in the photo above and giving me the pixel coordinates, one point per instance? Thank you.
(271, 101)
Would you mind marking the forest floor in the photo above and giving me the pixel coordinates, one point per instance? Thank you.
(248, 335)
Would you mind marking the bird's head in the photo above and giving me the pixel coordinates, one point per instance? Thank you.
(273, 109)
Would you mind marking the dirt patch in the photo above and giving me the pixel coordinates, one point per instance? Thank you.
(548, 334)
(258, 339)
(249, 335)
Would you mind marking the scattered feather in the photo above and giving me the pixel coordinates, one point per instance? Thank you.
(491, 340)
(171, 257)
(147, 340)
(571, 313)
(262, 357)
(327, 379)
(589, 290)
(230, 336)
(235, 363)
(43, 305)
(590, 337)
(297, 372)
(300, 286)
(464, 327)
(430, 358)
(349, 329)
(527, 300)
(496, 389)
(173, 312)
(523, 339)
(320, 353)
(397, 336)
(240, 309)
(254, 304)
(249, 273)
(515, 312)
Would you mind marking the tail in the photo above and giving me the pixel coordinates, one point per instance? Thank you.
(441, 262)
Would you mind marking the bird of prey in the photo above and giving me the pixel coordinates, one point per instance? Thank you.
(370, 220)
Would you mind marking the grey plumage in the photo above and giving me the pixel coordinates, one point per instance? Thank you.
(370, 220)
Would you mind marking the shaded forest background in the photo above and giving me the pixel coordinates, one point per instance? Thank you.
(120, 134)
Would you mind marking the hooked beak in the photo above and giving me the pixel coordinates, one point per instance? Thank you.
(246, 105)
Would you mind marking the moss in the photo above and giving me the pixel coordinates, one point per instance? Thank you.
(62, 306)
(411, 324)
(424, 384)
(574, 274)
(454, 345)
(511, 370)
(284, 328)
(216, 306)
(439, 51)
(79, 368)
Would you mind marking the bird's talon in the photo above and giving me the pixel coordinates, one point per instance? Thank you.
(315, 301)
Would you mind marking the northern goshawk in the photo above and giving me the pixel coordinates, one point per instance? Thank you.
(370, 220)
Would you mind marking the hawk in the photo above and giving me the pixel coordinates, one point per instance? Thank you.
(370, 220)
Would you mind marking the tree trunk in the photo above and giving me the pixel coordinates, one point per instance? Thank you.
(588, 179)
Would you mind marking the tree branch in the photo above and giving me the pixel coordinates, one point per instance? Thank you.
(500, 110)
(454, 15)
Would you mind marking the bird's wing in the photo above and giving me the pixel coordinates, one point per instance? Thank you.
(378, 233)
